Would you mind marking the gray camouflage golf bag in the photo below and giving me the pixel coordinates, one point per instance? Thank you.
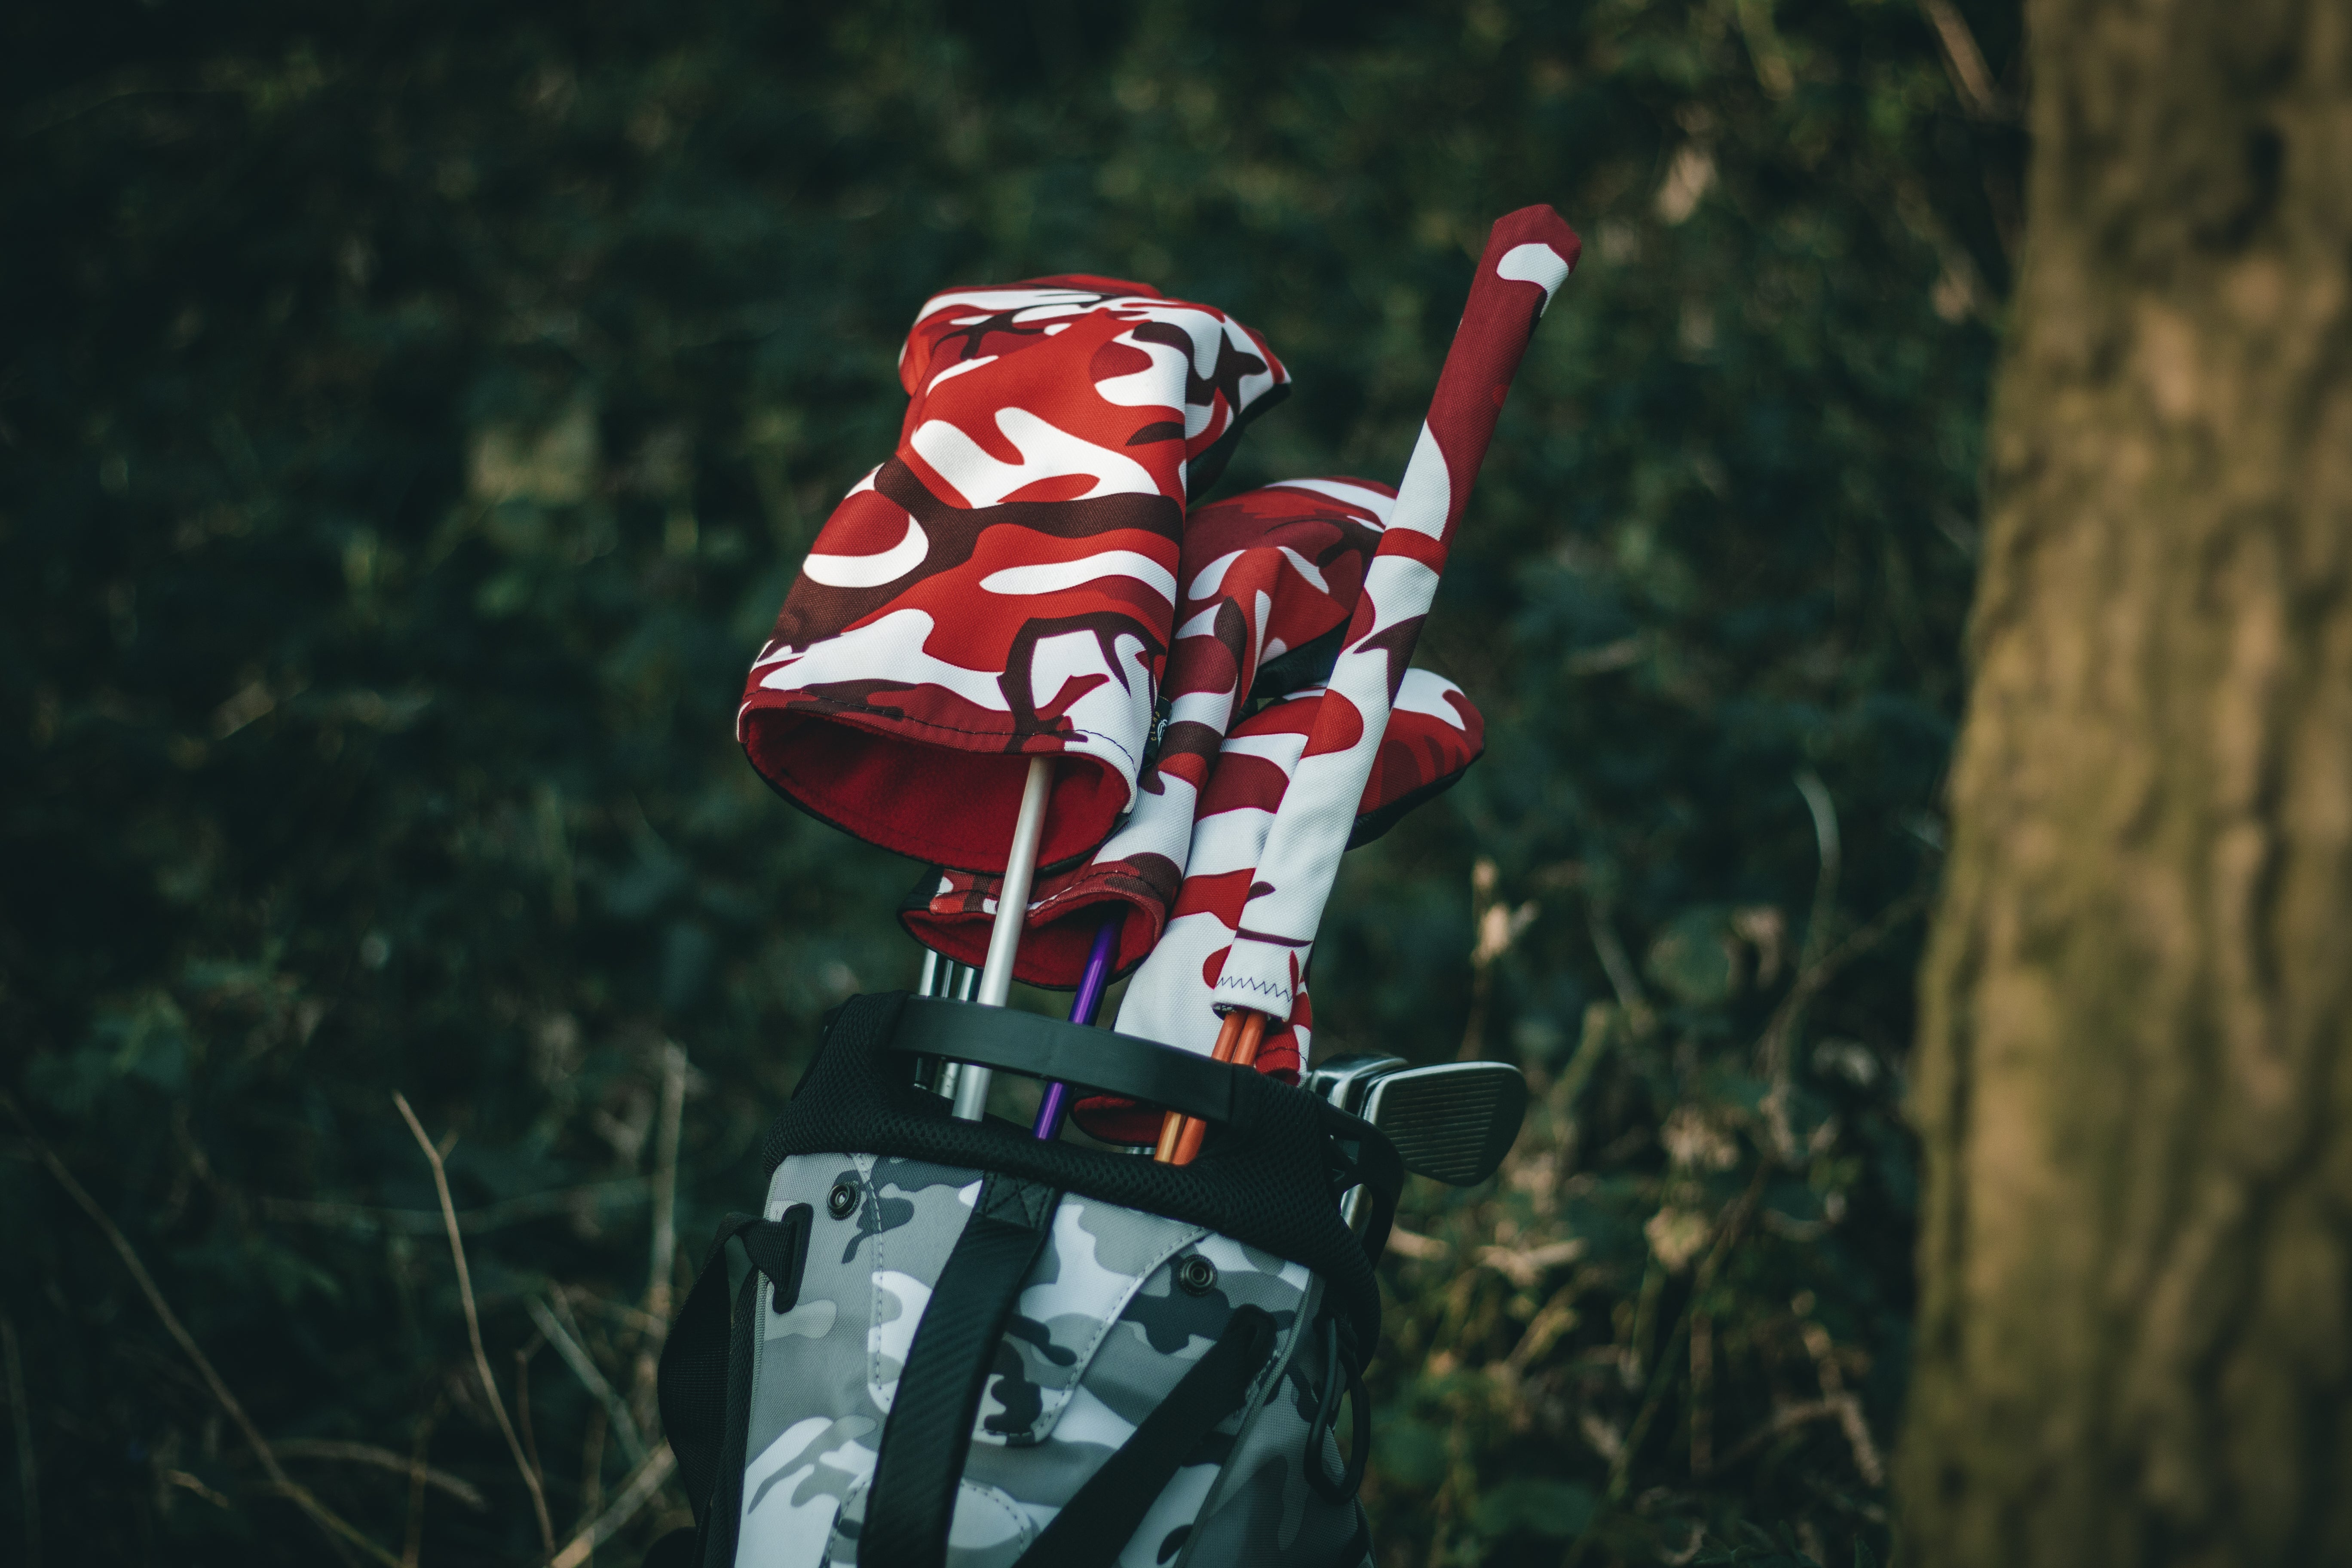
(949, 1344)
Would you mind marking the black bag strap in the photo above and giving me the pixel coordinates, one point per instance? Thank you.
(929, 1433)
(693, 1384)
(725, 1516)
(1052, 1048)
(706, 1369)
(1342, 1377)
(1359, 1154)
(1094, 1525)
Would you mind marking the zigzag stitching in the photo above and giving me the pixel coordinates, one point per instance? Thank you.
(1263, 987)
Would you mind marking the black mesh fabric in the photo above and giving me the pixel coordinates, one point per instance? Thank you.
(1265, 1178)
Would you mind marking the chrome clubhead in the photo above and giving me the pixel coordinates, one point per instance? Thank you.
(1454, 1121)
(1343, 1079)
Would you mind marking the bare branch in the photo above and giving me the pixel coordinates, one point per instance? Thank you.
(1729, 1228)
(474, 1321)
(663, 1263)
(1965, 61)
(412, 1550)
(584, 1367)
(1786, 1418)
(471, 1222)
(665, 1242)
(1771, 1047)
(333, 1523)
(636, 1492)
(382, 1459)
(1619, 967)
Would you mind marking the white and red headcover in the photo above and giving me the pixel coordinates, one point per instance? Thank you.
(1005, 585)
(1529, 254)
(1262, 576)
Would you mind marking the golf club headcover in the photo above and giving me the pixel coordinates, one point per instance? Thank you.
(1433, 738)
(1267, 580)
(1529, 255)
(1005, 585)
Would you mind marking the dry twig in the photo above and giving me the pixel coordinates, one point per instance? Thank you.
(474, 1321)
(664, 1239)
(416, 1471)
(1772, 1046)
(636, 1492)
(584, 1367)
(1835, 1392)
(412, 1547)
(337, 1528)
(472, 1222)
(1787, 1418)
(1965, 61)
(663, 1261)
(1734, 1221)
(1618, 965)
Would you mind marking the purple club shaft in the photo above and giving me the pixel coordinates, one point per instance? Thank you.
(1056, 1103)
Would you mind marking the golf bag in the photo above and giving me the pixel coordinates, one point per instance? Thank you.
(949, 1343)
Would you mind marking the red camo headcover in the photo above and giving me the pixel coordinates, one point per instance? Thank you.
(1529, 255)
(1263, 573)
(1435, 733)
(1005, 585)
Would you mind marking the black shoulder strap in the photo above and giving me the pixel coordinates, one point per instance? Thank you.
(929, 1432)
(1094, 1525)
(693, 1386)
(706, 1371)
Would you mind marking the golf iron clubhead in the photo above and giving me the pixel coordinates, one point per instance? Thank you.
(1454, 1121)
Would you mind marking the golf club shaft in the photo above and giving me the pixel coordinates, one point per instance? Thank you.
(1012, 917)
(1237, 1041)
(1253, 1034)
(1089, 1001)
(1171, 1126)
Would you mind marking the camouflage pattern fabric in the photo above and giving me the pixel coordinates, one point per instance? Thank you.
(1529, 255)
(1266, 573)
(1433, 735)
(1005, 585)
(1259, 575)
(1104, 1327)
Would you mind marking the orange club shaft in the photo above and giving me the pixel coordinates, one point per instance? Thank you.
(1237, 1042)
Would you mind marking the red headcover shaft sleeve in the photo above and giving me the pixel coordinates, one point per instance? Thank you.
(1527, 256)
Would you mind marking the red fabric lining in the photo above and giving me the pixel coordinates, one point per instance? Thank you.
(948, 807)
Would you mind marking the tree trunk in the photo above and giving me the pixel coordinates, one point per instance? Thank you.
(2135, 1343)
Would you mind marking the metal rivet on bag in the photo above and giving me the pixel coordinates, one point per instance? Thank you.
(841, 1200)
(1196, 1275)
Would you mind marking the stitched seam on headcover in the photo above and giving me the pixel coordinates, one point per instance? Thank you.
(1242, 982)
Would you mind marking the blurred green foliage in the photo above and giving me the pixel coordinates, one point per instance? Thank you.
(410, 419)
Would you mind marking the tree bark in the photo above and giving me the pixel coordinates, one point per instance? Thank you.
(2135, 1343)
